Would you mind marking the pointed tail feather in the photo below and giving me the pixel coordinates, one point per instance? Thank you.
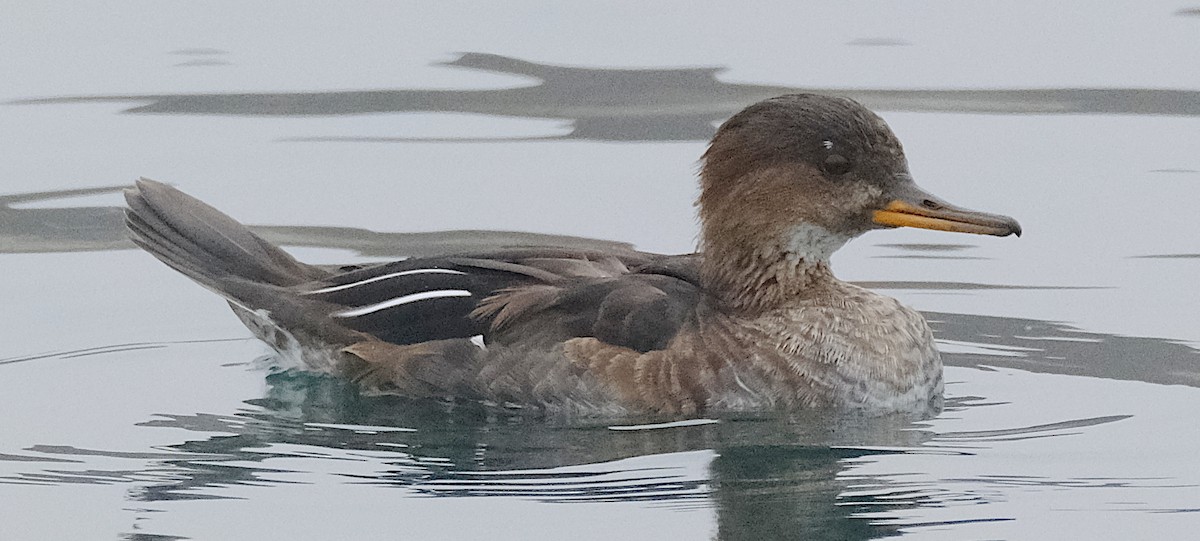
(205, 244)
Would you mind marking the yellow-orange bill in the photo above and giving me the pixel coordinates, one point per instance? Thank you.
(944, 217)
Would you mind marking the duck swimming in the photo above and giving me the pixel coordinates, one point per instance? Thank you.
(753, 321)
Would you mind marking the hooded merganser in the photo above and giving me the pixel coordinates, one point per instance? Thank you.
(755, 320)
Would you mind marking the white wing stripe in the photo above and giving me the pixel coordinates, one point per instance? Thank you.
(331, 289)
(398, 301)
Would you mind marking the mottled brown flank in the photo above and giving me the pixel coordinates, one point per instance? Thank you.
(438, 368)
(813, 354)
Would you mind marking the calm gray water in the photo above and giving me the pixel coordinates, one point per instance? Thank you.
(136, 407)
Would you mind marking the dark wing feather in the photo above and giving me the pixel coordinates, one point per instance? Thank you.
(642, 310)
(646, 311)
(418, 300)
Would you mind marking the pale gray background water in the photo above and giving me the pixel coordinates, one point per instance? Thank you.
(1074, 376)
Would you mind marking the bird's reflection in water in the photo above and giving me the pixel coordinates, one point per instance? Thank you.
(767, 476)
(764, 476)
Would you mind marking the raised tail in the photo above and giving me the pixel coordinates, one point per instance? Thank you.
(204, 243)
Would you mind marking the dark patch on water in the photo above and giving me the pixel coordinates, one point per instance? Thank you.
(929, 247)
(1175, 171)
(667, 104)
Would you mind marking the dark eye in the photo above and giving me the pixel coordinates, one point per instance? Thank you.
(836, 164)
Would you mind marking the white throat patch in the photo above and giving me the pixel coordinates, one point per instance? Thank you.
(812, 243)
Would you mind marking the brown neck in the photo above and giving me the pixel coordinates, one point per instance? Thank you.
(752, 279)
(763, 248)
